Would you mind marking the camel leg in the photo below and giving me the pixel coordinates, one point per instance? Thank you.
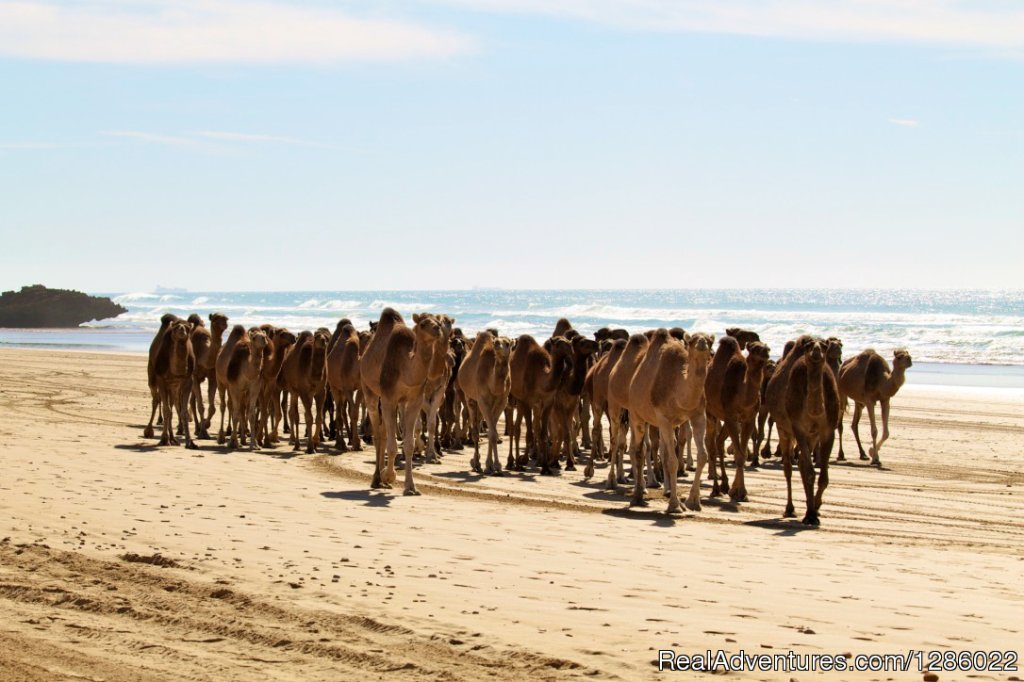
(315, 400)
(723, 433)
(569, 438)
(614, 426)
(293, 418)
(376, 430)
(474, 412)
(786, 445)
(885, 430)
(493, 459)
(353, 421)
(670, 463)
(584, 417)
(807, 478)
(649, 448)
(715, 443)
(412, 416)
(826, 449)
(686, 435)
(253, 419)
(738, 491)
(186, 393)
(389, 418)
(197, 398)
(636, 456)
(165, 418)
(211, 394)
(841, 456)
(698, 425)
(148, 431)
(870, 408)
(223, 409)
(596, 442)
(339, 434)
(432, 410)
(855, 427)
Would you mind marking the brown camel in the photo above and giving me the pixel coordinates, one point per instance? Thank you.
(867, 379)
(565, 407)
(804, 401)
(596, 385)
(667, 391)
(280, 342)
(536, 374)
(206, 346)
(562, 326)
(762, 417)
(154, 349)
(344, 382)
(244, 387)
(173, 369)
(620, 376)
(733, 392)
(484, 379)
(394, 369)
(304, 376)
(743, 336)
(451, 409)
(223, 360)
(439, 374)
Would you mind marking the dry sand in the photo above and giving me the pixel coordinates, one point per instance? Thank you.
(287, 566)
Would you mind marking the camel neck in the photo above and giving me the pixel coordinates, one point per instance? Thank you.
(815, 394)
(895, 380)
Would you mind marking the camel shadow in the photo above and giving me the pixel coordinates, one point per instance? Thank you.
(722, 504)
(464, 476)
(786, 527)
(371, 498)
(139, 447)
(658, 518)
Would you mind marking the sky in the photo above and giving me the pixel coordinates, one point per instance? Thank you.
(442, 144)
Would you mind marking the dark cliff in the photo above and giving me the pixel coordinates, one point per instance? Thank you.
(37, 306)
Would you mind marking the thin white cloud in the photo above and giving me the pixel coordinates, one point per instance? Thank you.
(155, 138)
(905, 122)
(998, 25)
(183, 31)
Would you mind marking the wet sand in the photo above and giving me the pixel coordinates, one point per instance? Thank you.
(287, 566)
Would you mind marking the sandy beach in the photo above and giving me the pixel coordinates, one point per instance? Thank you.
(287, 566)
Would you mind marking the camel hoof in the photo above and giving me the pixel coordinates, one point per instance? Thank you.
(754, 463)
(790, 513)
(191, 445)
(692, 505)
(715, 492)
(638, 502)
(498, 472)
(610, 485)
(570, 467)
(674, 510)
(411, 492)
(863, 456)
(876, 463)
(738, 496)
(147, 432)
(811, 519)
(841, 457)
(588, 472)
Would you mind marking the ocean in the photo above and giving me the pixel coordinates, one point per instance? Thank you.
(961, 337)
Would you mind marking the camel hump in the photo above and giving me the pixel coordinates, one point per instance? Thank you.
(874, 373)
(238, 356)
(637, 340)
(396, 355)
(668, 375)
(727, 346)
(389, 317)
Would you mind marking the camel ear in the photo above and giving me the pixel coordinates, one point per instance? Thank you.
(416, 317)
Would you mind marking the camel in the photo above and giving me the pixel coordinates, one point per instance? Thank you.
(620, 376)
(206, 346)
(394, 369)
(803, 398)
(565, 407)
(439, 374)
(867, 379)
(154, 349)
(173, 369)
(221, 367)
(304, 376)
(733, 392)
(562, 326)
(244, 385)
(596, 385)
(762, 417)
(484, 379)
(451, 409)
(280, 342)
(536, 373)
(343, 380)
(667, 391)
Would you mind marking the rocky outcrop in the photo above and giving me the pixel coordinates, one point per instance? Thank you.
(37, 306)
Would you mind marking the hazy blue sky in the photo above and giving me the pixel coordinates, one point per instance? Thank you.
(233, 144)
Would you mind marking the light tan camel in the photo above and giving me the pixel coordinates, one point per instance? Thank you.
(484, 379)
(867, 379)
(244, 387)
(733, 392)
(173, 369)
(394, 369)
(667, 391)
(762, 416)
(620, 377)
(206, 345)
(439, 374)
(279, 344)
(804, 401)
(597, 384)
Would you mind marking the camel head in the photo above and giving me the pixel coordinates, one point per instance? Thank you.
(901, 358)
(582, 346)
(769, 369)
(283, 338)
(757, 353)
(179, 330)
(195, 320)
(561, 347)
(815, 352)
(321, 337)
(364, 339)
(700, 343)
(218, 323)
(502, 349)
(834, 349)
(679, 334)
(428, 330)
(258, 342)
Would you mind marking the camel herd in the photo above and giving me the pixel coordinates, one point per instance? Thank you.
(429, 386)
